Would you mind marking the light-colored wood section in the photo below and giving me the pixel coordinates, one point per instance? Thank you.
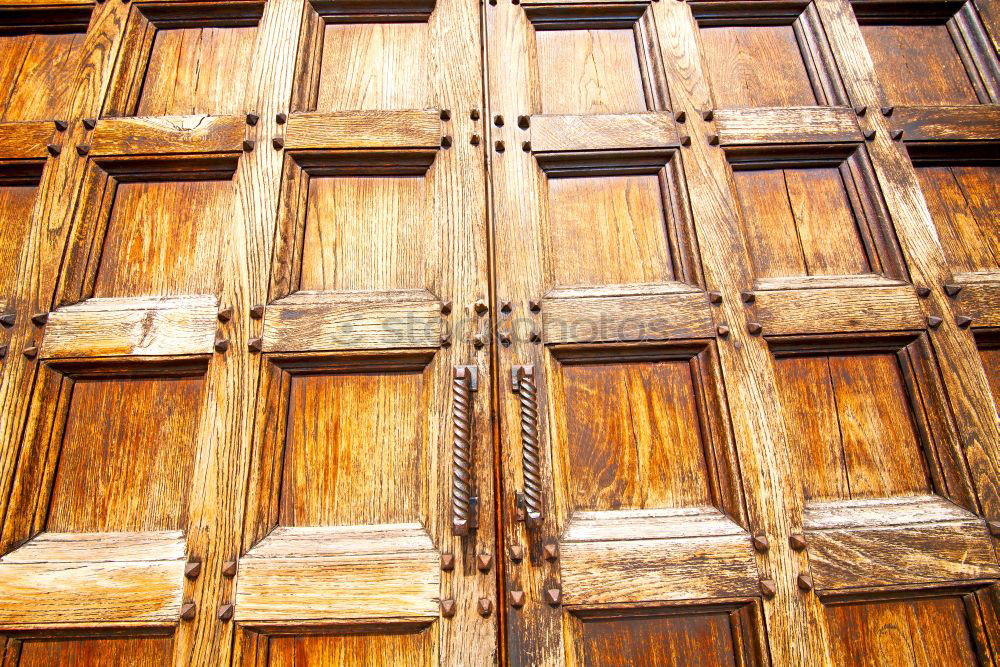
(626, 319)
(785, 312)
(691, 568)
(632, 435)
(364, 130)
(165, 238)
(365, 233)
(963, 201)
(882, 542)
(132, 327)
(375, 66)
(787, 125)
(168, 134)
(595, 132)
(853, 431)
(355, 451)
(608, 230)
(330, 541)
(931, 631)
(964, 123)
(801, 222)
(981, 301)
(25, 140)
(348, 321)
(405, 649)
(33, 71)
(126, 456)
(197, 71)
(755, 66)
(589, 71)
(652, 524)
(341, 583)
(919, 65)
(68, 580)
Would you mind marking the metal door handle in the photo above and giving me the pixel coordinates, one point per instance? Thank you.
(465, 380)
(522, 381)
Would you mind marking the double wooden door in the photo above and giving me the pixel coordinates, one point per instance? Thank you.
(543, 332)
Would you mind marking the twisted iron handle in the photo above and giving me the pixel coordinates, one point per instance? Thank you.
(464, 382)
(523, 384)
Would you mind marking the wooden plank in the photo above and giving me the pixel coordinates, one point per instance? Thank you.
(650, 570)
(313, 589)
(971, 123)
(322, 541)
(351, 322)
(980, 301)
(72, 579)
(789, 312)
(22, 141)
(363, 130)
(876, 512)
(100, 548)
(166, 135)
(597, 132)
(898, 555)
(132, 327)
(792, 125)
(632, 318)
(668, 523)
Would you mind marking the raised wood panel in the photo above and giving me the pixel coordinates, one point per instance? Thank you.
(963, 201)
(633, 436)
(589, 71)
(198, 70)
(355, 450)
(16, 202)
(37, 73)
(991, 362)
(922, 632)
(597, 132)
(919, 65)
(827, 308)
(127, 454)
(366, 233)
(628, 318)
(755, 66)
(703, 638)
(403, 648)
(851, 425)
(165, 238)
(124, 651)
(608, 230)
(800, 222)
(375, 66)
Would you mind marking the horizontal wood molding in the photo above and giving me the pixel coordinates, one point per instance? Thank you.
(627, 318)
(969, 123)
(363, 130)
(602, 132)
(667, 523)
(168, 134)
(132, 327)
(814, 311)
(981, 302)
(796, 125)
(86, 579)
(23, 141)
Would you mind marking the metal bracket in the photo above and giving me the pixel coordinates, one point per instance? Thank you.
(460, 372)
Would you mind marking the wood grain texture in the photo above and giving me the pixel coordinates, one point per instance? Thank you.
(409, 319)
(808, 311)
(963, 123)
(755, 66)
(132, 651)
(981, 301)
(625, 319)
(786, 125)
(666, 523)
(25, 140)
(918, 65)
(168, 134)
(594, 132)
(100, 547)
(131, 327)
(33, 70)
(16, 202)
(360, 130)
(589, 72)
(409, 649)
(197, 71)
(644, 570)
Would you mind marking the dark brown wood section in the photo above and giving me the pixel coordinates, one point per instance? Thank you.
(529, 332)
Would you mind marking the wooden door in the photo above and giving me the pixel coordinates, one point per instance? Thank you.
(747, 270)
(240, 244)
